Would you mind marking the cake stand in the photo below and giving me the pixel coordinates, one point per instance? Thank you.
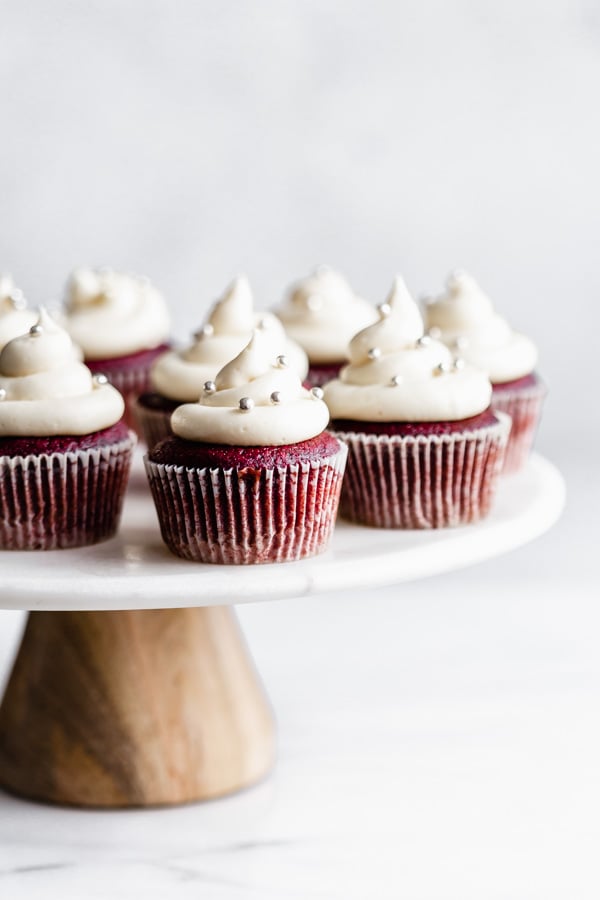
(133, 685)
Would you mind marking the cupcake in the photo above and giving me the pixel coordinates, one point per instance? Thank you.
(122, 325)
(250, 475)
(323, 313)
(178, 376)
(425, 449)
(15, 318)
(465, 320)
(64, 451)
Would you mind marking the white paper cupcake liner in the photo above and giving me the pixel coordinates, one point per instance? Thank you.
(60, 500)
(524, 406)
(247, 516)
(423, 481)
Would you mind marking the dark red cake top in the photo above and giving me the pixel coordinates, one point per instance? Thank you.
(194, 454)
(140, 360)
(412, 429)
(26, 446)
(158, 402)
(531, 380)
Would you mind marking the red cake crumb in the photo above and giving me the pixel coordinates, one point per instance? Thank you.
(193, 454)
(26, 446)
(406, 429)
(141, 360)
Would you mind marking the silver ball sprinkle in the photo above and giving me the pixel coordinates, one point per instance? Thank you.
(275, 397)
(2, 394)
(374, 353)
(36, 330)
(384, 310)
(434, 333)
(458, 364)
(100, 379)
(317, 393)
(395, 380)
(246, 404)
(442, 369)
(209, 387)
(206, 331)
(424, 341)
(461, 342)
(282, 362)
(314, 302)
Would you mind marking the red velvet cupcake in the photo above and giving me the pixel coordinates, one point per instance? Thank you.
(323, 313)
(179, 376)
(249, 476)
(464, 319)
(64, 453)
(425, 450)
(122, 325)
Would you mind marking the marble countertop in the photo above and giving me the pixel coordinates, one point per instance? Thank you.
(436, 740)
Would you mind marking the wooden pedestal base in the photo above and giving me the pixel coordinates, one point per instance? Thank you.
(137, 708)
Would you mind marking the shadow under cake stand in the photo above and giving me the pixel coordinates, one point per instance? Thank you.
(133, 685)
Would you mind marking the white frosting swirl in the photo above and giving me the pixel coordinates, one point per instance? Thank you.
(15, 318)
(180, 374)
(46, 391)
(468, 324)
(397, 375)
(111, 314)
(322, 313)
(280, 411)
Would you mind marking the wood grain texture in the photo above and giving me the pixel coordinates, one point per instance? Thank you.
(135, 708)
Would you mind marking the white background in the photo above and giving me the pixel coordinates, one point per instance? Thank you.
(437, 741)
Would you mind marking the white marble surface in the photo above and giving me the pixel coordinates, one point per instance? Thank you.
(438, 741)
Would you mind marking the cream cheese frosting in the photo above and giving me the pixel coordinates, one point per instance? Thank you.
(255, 400)
(110, 314)
(322, 313)
(45, 390)
(180, 374)
(465, 319)
(397, 374)
(15, 318)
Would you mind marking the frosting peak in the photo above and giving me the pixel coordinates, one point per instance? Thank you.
(247, 365)
(113, 314)
(45, 390)
(180, 374)
(15, 318)
(466, 320)
(396, 374)
(322, 312)
(43, 348)
(233, 313)
(255, 400)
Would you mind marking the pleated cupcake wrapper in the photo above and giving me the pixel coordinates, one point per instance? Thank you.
(423, 481)
(246, 516)
(155, 424)
(61, 500)
(524, 406)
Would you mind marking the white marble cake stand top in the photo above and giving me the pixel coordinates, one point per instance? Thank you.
(134, 570)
